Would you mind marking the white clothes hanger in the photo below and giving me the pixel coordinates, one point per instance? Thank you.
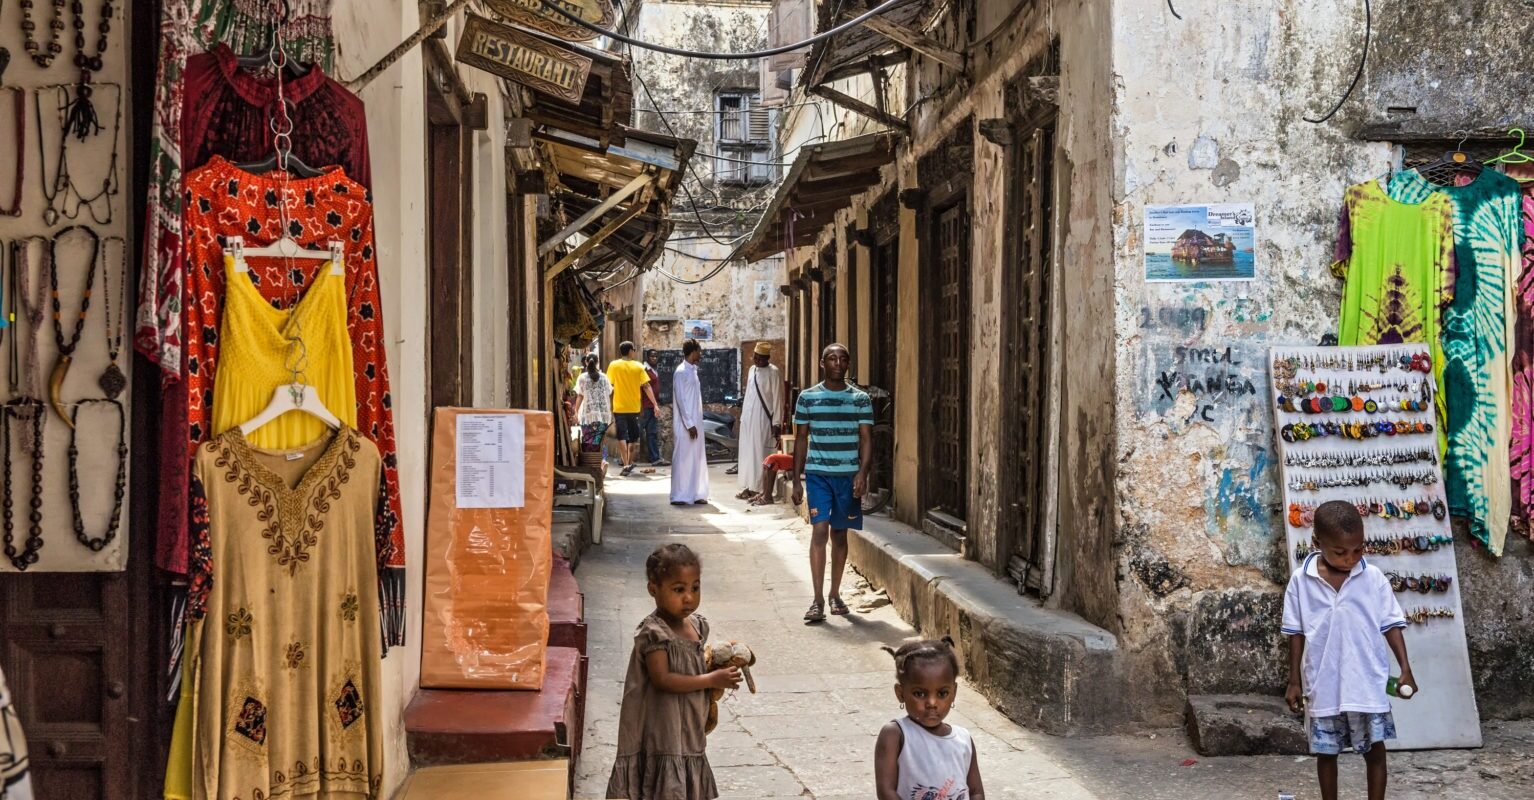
(291, 397)
(286, 247)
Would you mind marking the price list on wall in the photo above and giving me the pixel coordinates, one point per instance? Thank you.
(1359, 424)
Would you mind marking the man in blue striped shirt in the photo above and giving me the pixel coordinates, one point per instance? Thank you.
(832, 421)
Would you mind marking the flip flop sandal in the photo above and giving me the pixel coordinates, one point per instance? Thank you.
(839, 608)
(816, 613)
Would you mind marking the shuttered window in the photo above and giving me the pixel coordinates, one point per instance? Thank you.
(743, 135)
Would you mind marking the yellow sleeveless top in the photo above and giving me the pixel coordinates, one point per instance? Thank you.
(252, 362)
(254, 358)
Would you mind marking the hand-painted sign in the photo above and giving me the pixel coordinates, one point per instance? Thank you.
(538, 16)
(523, 57)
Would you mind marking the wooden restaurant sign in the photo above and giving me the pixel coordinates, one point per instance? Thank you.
(537, 15)
(525, 58)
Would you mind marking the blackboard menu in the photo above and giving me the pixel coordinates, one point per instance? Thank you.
(718, 373)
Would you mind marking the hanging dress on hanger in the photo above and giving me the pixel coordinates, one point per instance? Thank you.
(283, 643)
(1478, 332)
(1397, 263)
(225, 201)
(183, 76)
(255, 353)
(1523, 361)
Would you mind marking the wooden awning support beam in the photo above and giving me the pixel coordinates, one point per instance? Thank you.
(918, 41)
(859, 107)
(596, 238)
(639, 182)
(870, 64)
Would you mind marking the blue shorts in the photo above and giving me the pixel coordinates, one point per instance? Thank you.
(830, 500)
(1356, 730)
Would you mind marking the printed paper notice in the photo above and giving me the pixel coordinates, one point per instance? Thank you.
(1213, 242)
(491, 453)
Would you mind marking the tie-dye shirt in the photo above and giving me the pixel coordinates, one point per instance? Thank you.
(1477, 336)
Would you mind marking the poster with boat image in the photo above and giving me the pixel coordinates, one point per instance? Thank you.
(1210, 242)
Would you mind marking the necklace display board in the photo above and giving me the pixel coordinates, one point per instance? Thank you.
(64, 226)
(1358, 424)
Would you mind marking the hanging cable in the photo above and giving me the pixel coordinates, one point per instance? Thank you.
(1363, 59)
(889, 5)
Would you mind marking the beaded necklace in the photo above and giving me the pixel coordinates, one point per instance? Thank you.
(94, 543)
(26, 409)
(112, 380)
(66, 350)
(42, 56)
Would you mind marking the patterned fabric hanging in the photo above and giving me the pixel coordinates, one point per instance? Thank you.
(1523, 363)
(188, 27)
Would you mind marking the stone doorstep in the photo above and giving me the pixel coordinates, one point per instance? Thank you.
(1042, 668)
(473, 726)
(1244, 725)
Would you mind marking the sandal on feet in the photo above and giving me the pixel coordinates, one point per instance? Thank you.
(817, 613)
(838, 607)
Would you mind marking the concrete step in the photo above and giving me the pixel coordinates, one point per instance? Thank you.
(1043, 668)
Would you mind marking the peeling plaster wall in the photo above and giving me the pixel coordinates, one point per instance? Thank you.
(1200, 568)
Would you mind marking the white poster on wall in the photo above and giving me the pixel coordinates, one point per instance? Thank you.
(1331, 408)
(492, 453)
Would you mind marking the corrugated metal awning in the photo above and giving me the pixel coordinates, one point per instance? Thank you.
(822, 181)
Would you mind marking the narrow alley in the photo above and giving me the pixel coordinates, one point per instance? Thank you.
(824, 690)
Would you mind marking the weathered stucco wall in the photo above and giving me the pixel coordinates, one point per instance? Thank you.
(1211, 112)
(742, 301)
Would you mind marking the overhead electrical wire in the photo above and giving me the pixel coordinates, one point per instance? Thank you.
(691, 201)
(888, 5)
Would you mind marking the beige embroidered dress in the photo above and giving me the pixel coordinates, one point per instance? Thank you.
(283, 608)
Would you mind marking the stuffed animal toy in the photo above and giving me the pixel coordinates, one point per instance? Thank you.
(720, 656)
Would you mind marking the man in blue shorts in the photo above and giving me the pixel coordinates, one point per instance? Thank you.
(832, 420)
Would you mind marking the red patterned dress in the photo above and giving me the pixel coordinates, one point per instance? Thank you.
(221, 201)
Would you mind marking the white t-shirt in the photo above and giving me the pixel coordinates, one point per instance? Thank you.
(934, 766)
(1347, 661)
(598, 405)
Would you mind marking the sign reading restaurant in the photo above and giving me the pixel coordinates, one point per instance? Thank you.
(538, 16)
(523, 57)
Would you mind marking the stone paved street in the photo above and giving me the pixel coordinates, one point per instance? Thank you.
(824, 690)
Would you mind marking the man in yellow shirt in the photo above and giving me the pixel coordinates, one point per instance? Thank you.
(630, 382)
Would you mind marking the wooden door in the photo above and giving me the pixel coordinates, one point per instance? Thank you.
(1027, 326)
(947, 356)
(67, 662)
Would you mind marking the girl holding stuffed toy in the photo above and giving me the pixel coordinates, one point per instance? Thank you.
(661, 739)
(919, 756)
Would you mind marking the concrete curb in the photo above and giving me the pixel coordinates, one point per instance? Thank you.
(1043, 668)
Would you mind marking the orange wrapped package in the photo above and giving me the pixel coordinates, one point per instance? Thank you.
(488, 551)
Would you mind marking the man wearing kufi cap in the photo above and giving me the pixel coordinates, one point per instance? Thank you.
(761, 413)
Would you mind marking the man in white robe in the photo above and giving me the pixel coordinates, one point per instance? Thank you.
(761, 412)
(689, 454)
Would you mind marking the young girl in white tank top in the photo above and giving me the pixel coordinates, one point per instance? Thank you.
(919, 756)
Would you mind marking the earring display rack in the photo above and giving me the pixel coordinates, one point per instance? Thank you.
(1388, 463)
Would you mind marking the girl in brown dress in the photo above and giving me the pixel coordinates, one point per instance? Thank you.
(661, 743)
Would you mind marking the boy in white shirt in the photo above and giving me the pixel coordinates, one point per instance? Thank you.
(1339, 614)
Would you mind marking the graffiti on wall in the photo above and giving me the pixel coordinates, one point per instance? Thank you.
(1218, 378)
